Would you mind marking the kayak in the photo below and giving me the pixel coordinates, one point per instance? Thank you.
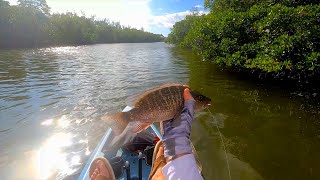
(133, 160)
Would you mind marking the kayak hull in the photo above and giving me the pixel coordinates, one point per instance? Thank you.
(128, 157)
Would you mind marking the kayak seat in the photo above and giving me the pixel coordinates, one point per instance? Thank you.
(148, 152)
(117, 165)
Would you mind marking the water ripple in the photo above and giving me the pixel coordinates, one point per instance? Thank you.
(52, 100)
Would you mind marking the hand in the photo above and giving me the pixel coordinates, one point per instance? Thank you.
(177, 131)
(186, 94)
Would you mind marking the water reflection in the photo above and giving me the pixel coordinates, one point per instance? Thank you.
(47, 122)
(51, 100)
(262, 127)
(61, 154)
(51, 158)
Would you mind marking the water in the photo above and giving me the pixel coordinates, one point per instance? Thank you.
(52, 99)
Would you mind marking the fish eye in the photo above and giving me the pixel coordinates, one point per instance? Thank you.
(200, 98)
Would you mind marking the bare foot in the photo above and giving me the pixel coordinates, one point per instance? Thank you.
(100, 169)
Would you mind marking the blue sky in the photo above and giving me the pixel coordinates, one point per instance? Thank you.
(161, 7)
(156, 16)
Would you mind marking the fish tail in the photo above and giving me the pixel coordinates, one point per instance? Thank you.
(117, 122)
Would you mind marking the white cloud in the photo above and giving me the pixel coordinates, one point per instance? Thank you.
(198, 6)
(135, 13)
(168, 20)
(129, 12)
(12, 2)
(165, 22)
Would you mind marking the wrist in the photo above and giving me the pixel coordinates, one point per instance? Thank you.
(189, 102)
(170, 158)
(175, 146)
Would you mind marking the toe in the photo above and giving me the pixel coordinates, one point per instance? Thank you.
(103, 169)
(93, 176)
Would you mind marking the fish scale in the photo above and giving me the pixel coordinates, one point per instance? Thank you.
(163, 98)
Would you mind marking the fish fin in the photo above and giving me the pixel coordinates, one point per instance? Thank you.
(133, 99)
(140, 126)
(117, 122)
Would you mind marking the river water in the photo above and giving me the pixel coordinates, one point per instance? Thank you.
(51, 100)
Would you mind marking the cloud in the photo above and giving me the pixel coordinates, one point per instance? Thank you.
(162, 24)
(167, 20)
(198, 6)
(12, 2)
(134, 13)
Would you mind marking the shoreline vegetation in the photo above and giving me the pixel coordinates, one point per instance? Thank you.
(265, 39)
(30, 24)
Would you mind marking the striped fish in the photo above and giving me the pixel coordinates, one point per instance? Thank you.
(155, 105)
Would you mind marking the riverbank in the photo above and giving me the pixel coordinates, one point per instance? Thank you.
(32, 26)
(276, 40)
(307, 88)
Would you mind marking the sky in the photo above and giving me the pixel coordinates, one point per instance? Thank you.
(156, 16)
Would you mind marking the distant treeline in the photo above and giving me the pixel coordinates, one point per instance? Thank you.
(29, 24)
(270, 38)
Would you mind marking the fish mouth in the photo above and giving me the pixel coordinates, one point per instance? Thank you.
(206, 105)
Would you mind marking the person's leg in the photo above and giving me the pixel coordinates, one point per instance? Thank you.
(101, 169)
(158, 162)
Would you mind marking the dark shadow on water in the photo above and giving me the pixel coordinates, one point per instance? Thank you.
(271, 127)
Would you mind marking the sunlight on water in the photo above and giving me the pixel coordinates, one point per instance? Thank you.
(60, 93)
(51, 157)
(52, 100)
(63, 50)
(63, 122)
(47, 122)
(87, 151)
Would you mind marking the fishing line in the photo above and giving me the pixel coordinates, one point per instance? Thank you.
(224, 147)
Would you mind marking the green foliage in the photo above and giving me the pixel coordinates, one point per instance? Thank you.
(4, 3)
(71, 29)
(40, 5)
(30, 25)
(182, 28)
(208, 3)
(278, 37)
(22, 27)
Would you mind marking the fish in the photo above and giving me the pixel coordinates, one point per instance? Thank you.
(158, 104)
